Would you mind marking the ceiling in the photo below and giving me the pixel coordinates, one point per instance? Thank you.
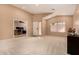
(61, 9)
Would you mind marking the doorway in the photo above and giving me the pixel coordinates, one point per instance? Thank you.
(37, 28)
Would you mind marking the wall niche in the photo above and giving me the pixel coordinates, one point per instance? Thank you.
(19, 28)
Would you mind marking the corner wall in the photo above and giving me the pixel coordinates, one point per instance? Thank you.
(76, 19)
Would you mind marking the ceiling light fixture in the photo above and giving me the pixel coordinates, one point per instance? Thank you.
(53, 9)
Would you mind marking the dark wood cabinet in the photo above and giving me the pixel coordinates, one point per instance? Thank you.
(73, 45)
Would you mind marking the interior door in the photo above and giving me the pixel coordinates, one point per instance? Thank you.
(37, 28)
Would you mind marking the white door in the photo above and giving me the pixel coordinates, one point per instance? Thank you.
(37, 28)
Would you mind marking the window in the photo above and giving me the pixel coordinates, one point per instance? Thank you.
(57, 26)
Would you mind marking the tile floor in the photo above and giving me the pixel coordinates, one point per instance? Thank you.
(46, 45)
